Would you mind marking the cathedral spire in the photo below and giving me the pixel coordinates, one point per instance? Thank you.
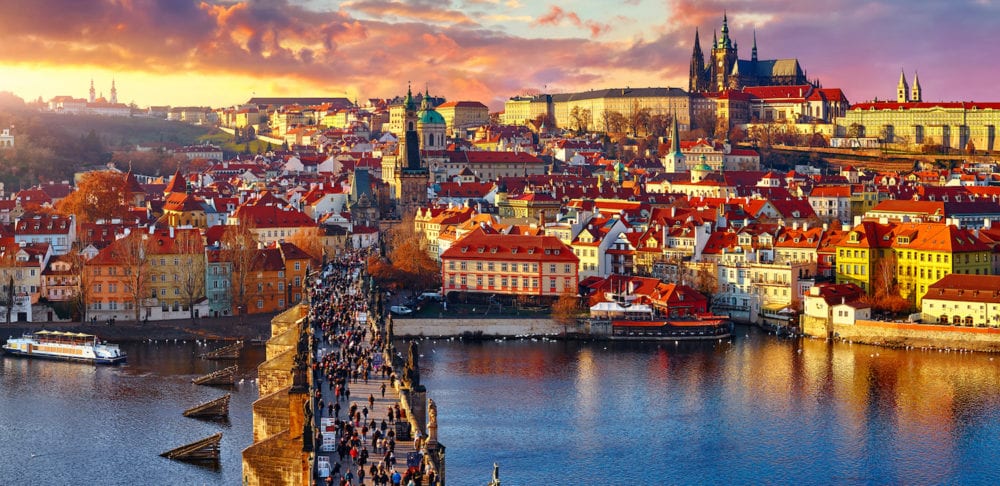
(114, 92)
(725, 30)
(93, 93)
(696, 76)
(917, 95)
(753, 52)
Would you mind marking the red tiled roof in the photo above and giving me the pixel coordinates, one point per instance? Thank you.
(478, 245)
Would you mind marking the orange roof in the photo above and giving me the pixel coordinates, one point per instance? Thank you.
(480, 246)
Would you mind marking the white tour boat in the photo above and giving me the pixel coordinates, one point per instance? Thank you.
(65, 345)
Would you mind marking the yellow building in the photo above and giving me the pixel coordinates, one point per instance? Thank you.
(462, 115)
(912, 256)
(949, 124)
(598, 105)
(519, 110)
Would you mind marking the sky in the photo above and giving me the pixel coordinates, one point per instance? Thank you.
(220, 53)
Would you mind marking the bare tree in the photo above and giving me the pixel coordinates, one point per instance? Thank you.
(637, 117)
(81, 292)
(239, 246)
(7, 298)
(133, 252)
(706, 120)
(191, 249)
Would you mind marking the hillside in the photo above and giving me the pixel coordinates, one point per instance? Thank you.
(53, 147)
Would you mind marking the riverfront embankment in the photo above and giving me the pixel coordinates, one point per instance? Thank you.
(480, 327)
(215, 328)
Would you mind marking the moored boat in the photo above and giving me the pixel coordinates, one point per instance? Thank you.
(70, 346)
(689, 328)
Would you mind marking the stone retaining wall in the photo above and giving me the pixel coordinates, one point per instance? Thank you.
(486, 326)
(908, 334)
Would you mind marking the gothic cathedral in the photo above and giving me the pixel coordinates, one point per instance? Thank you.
(726, 71)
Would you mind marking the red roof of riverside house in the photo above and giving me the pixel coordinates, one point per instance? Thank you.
(835, 294)
(480, 246)
(969, 288)
(42, 224)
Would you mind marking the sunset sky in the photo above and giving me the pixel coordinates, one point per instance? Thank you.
(218, 53)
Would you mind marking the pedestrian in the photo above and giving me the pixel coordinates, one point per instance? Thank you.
(383, 390)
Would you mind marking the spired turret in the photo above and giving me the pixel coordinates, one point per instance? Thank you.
(902, 89)
(917, 95)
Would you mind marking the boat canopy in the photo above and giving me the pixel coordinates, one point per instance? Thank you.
(63, 334)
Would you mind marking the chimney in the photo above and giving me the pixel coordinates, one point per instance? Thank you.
(171, 232)
(805, 226)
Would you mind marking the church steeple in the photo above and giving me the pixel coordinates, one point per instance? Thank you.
(917, 95)
(753, 52)
(93, 93)
(725, 31)
(902, 89)
(114, 92)
(696, 76)
(675, 137)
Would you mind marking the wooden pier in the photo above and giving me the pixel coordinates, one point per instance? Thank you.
(206, 449)
(231, 351)
(218, 408)
(225, 376)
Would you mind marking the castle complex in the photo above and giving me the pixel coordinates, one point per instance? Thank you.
(725, 70)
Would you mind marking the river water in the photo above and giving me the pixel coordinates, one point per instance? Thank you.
(757, 410)
(73, 423)
(754, 410)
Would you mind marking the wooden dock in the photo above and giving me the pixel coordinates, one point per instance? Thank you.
(231, 351)
(225, 376)
(206, 449)
(218, 408)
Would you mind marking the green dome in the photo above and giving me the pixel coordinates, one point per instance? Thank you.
(431, 116)
(702, 167)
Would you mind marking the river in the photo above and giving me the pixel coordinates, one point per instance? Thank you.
(73, 423)
(757, 410)
(752, 410)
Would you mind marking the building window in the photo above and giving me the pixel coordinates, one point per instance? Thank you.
(260, 303)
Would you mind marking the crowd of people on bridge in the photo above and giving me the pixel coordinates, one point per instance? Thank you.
(349, 351)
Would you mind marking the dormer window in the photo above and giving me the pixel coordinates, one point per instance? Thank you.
(513, 250)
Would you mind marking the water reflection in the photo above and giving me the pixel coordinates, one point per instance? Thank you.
(754, 409)
(66, 423)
